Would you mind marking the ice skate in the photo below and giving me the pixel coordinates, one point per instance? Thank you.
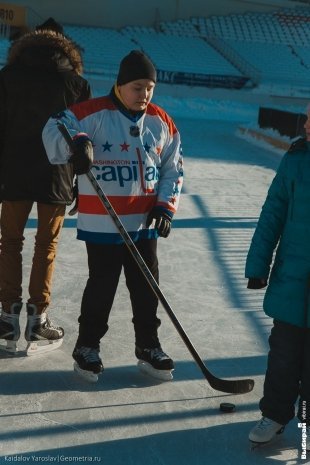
(9, 328)
(155, 363)
(42, 336)
(264, 431)
(88, 364)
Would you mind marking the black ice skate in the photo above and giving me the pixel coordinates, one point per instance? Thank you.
(9, 328)
(155, 362)
(87, 363)
(42, 336)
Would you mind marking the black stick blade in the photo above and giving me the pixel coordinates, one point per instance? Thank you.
(230, 386)
(238, 386)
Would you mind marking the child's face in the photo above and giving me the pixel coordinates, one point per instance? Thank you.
(307, 127)
(137, 94)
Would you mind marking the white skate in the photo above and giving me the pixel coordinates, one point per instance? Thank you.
(264, 431)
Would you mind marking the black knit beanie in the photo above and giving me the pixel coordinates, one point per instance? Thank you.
(135, 65)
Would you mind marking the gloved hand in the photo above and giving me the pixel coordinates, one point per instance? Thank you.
(257, 283)
(82, 154)
(162, 221)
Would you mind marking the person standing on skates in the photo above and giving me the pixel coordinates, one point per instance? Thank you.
(284, 225)
(137, 158)
(41, 77)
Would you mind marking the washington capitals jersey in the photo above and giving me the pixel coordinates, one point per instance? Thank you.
(138, 165)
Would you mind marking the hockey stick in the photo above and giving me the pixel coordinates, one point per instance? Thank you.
(241, 386)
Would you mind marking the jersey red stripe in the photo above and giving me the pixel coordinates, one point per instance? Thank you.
(130, 205)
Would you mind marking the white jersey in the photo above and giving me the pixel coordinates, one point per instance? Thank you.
(138, 164)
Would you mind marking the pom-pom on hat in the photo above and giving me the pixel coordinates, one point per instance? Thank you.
(136, 65)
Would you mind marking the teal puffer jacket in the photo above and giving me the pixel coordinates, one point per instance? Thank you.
(284, 225)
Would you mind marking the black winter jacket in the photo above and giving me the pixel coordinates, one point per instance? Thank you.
(42, 77)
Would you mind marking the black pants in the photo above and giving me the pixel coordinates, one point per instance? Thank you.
(288, 374)
(105, 264)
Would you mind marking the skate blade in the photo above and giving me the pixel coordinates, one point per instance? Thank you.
(163, 375)
(10, 347)
(35, 348)
(85, 374)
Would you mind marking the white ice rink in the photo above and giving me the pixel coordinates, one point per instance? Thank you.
(49, 415)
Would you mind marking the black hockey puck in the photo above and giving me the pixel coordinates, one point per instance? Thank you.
(227, 407)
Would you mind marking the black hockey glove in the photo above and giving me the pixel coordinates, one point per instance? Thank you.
(257, 283)
(162, 221)
(82, 154)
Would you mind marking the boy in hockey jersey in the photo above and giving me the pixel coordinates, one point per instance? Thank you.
(137, 159)
(284, 224)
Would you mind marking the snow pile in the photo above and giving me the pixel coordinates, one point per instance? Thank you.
(266, 138)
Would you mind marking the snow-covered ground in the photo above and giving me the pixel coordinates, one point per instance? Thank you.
(49, 415)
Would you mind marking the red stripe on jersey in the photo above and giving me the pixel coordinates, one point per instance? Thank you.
(91, 204)
(88, 107)
(155, 110)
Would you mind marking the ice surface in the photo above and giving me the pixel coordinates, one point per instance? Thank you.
(49, 415)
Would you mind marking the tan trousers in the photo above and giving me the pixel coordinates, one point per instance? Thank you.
(14, 216)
